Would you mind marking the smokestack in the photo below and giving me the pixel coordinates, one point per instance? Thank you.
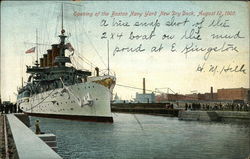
(49, 58)
(41, 62)
(55, 53)
(22, 82)
(45, 61)
(212, 94)
(97, 71)
(144, 87)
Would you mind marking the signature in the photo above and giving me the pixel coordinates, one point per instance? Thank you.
(218, 69)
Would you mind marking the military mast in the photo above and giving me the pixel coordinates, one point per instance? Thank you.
(62, 59)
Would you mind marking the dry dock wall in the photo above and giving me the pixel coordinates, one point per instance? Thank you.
(234, 116)
(199, 115)
(144, 108)
(226, 116)
(28, 145)
(23, 118)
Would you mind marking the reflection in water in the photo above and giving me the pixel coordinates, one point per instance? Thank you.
(161, 137)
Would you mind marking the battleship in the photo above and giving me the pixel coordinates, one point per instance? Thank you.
(56, 90)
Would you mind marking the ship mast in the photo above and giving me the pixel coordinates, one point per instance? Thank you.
(62, 59)
(62, 15)
(36, 63)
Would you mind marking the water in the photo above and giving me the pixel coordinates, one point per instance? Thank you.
(158, 138)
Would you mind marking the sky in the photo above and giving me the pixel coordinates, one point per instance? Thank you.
(162, 69)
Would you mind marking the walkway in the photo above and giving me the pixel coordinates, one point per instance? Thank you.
(1, 137)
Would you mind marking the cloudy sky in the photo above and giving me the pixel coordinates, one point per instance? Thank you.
(163, 68)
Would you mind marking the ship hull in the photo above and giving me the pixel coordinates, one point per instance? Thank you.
(74, 117)
(87, 101)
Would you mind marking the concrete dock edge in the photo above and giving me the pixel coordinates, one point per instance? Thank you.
(28, 145)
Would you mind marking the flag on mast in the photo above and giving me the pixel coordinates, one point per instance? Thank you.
(69, 47)
(31, 50)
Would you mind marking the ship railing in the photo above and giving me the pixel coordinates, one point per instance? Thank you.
(106, 72)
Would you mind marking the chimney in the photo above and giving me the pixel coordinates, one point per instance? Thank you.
(212, 95)
(144, 87)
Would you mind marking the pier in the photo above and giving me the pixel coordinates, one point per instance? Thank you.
(19, 142)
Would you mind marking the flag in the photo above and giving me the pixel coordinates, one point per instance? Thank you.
(69, 47)
(31, 50)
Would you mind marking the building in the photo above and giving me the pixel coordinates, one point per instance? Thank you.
(171, 97)
(145, 98)
(228, 94)
(234, 94)
(118, 100)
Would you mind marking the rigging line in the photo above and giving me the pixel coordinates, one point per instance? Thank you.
(44, 36)
(76, 37)
(81, 66)
(114, 114)
(73, 62)
(86, 59)
(76, 31)
(57, 20)
(69, 3)
(53, 13)
(90, 64)
(138, 121)
(134, 87)
(42, 100)
(85, 62)
(94, 48)
(78, 98)
(41, 32)
(46, 26)
(77, 63)
(146, 89)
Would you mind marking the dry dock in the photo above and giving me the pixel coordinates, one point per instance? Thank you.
(145, 108)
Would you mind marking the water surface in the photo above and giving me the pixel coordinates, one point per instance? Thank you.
(154, 138)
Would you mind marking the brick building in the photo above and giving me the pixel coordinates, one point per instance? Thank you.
(171, 97)
(222, 94)
(233, 94)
